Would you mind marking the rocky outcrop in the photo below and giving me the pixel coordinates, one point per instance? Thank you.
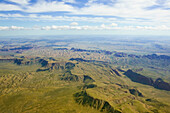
(79, 60)
(135, 77)
(53, 64)
(134, 56)
(115, 71)
(43, 62)
(87, 86)
(18, 61)
(22, 48)
(69, 65)
(155, 56)
(83, 60)
(92, 51)
(122, 86)
(38, 70)
(24, 61)
(120, 54)
(84, 99)
(159, 83)
(68, 76)
(87, 79)
(121, 70)
(152, 56)
(60, 49)
(17, 48)
(135, 92)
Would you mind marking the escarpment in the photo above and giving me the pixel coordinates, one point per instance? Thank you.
(159, 83)
(84, 99)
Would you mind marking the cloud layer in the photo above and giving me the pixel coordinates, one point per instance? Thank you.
(87, 14)
(75, 26)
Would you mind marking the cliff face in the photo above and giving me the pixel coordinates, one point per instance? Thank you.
(18, 61)
(53, 65)
(87, 79)
(135, 92)
(68, 76)
(159, 83)
(135, 77)
(115, 71)
(84, 99)
(43, 62)
(155, 56)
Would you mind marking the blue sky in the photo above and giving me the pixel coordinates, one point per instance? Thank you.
(64, 17)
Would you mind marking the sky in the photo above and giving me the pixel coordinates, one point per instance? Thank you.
(84, 17)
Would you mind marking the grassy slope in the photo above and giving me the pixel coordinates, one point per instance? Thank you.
(37, 92)
(24, 90)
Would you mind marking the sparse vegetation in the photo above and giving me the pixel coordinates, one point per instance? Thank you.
(70, 77)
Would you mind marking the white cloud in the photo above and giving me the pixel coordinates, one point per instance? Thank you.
(44, 6)
(4, 28)
(22, 2)
(46, 28)
(58, 18)
(114, 24)
(11, 15)
(106, 27)
(74, 24)
(8, 7)
(102, 27)
(69, 1)
(16, 28)
(122, 8)
(32, 16)
(167, 4)
(127, 9)
(11, 28)
(132, 12)
(162, 27)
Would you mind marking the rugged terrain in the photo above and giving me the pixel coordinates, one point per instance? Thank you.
(65, 77)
